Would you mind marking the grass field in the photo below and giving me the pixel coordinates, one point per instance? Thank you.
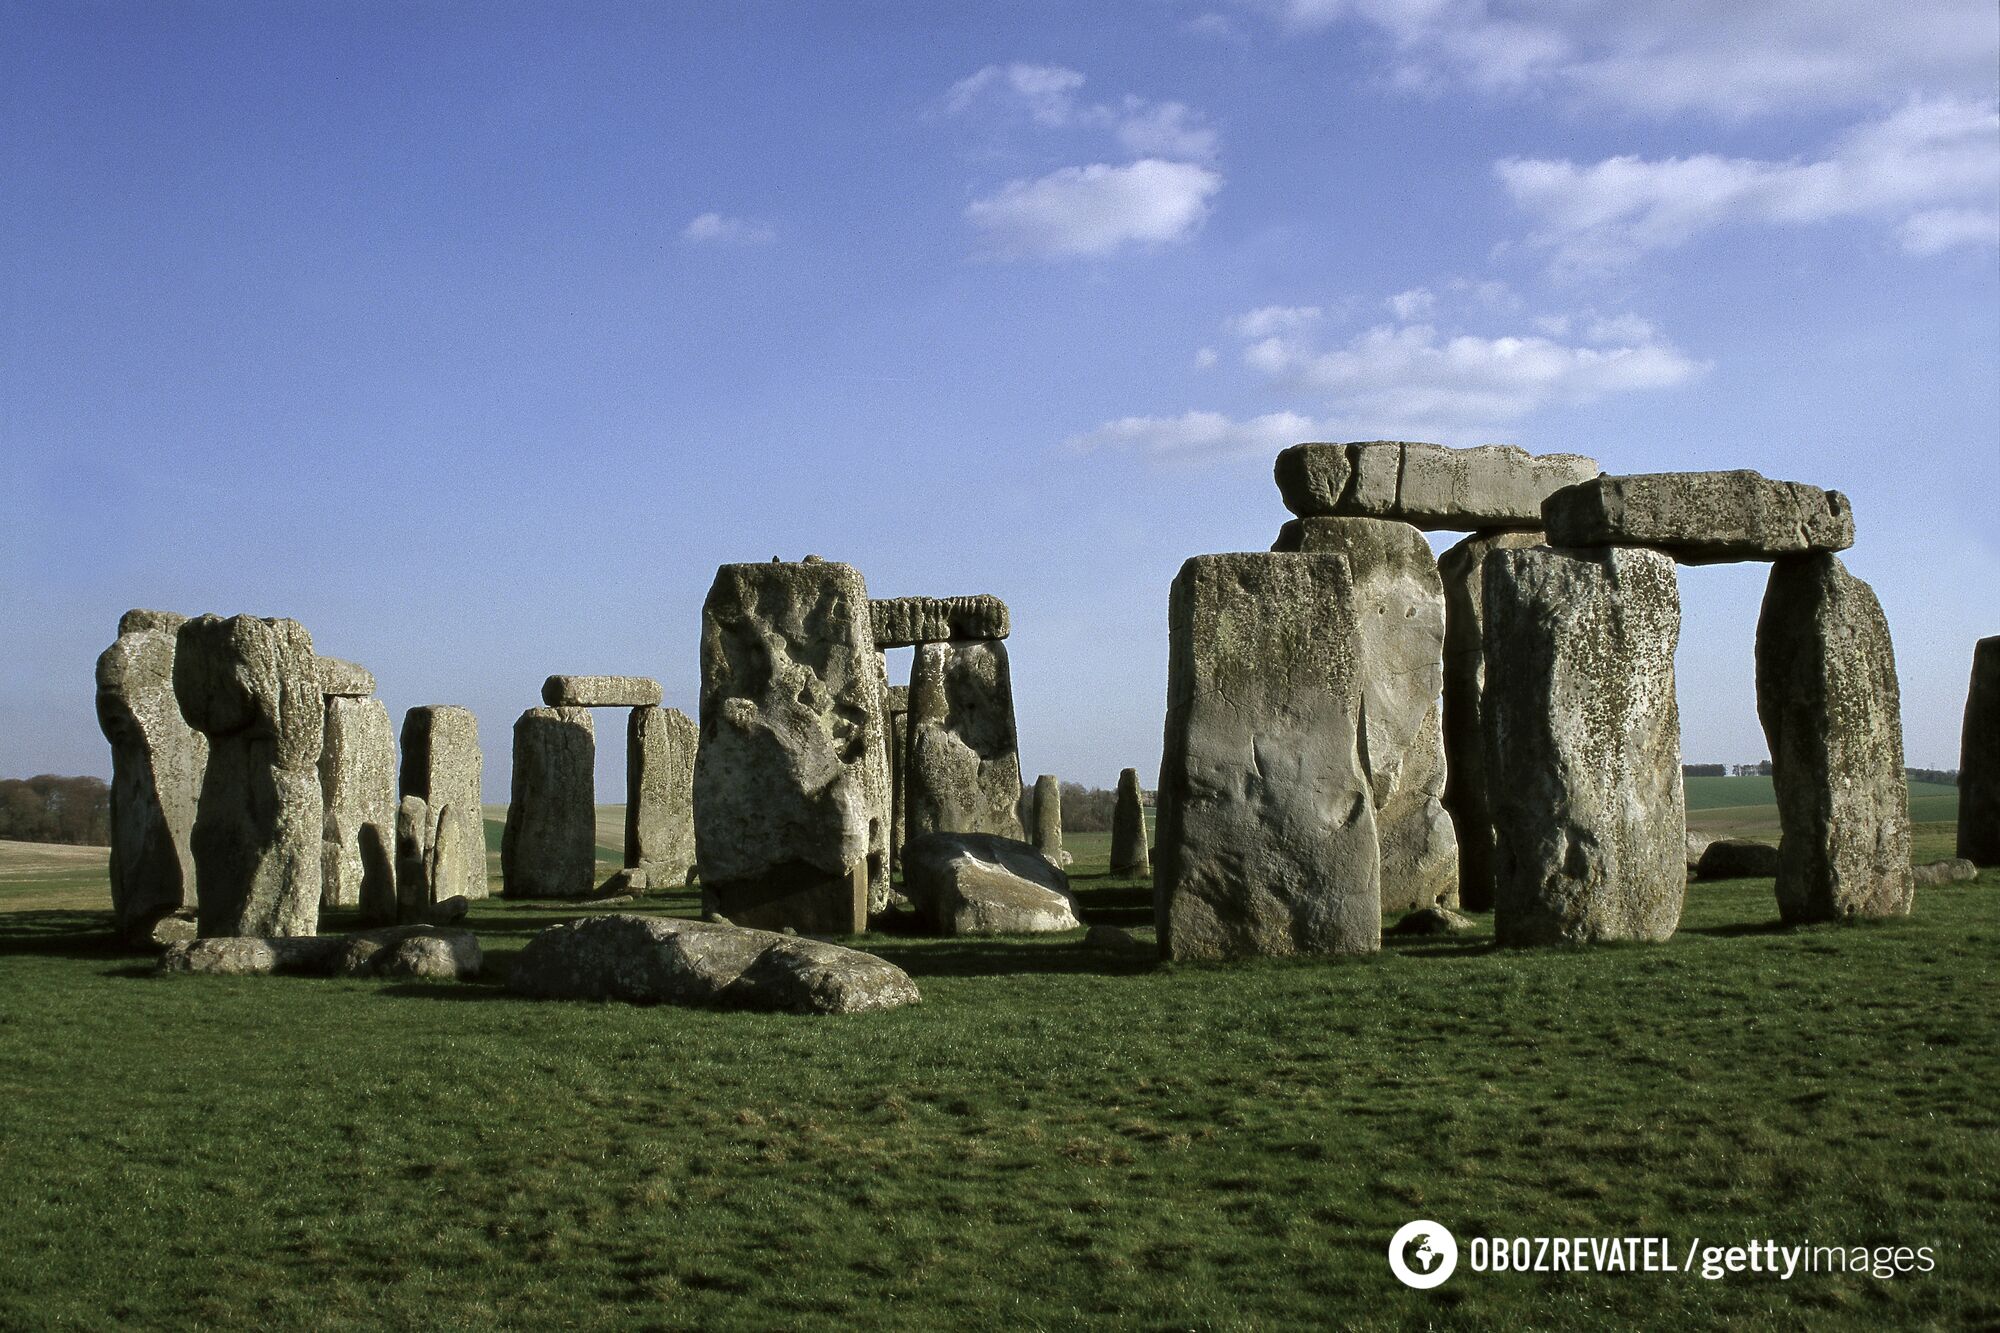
(1057, 1135)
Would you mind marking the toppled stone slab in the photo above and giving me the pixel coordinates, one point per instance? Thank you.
(402, 952)
(1831, 706)
(1583, 737)
(978, 884)
(1265, 841)
(1737, 858)
(963, 762)
(902, 622)
(1131, 853)
(1701, 518)
(1697, 843)
(1428, 485)
(342, 679)
(157, 762)
(659, 794)
(601, 692)
(1109, 937)
(1432, 921)
(1956, 870)
(668, 960)
(1979, 759)
(549, 846)
(357, 778)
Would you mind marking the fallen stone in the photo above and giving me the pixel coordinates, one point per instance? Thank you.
(161, 931)
(1265, 840)
(1109, 937)
(978, 884)
(963, 762)
(668, 960)
(1428, 485)
(1432, 921)
(659, 794)
(903, 622)
(1131, 853)
(601, 692)
(1583, 737)
(1701, 517)
(1697, 843)
(629, 882)
(157, 763)
(1738, 858)
(1468, 776)
(409, 953)
(791, 781)
(549, 846)
(441, 764)
(252, 687)
(609, 900)
(1957, 870)
(454, 908)
(343, 679)
(1828, 697)
(357, 779)
(395, 951)
(1979, 759)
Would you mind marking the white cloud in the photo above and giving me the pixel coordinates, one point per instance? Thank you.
(1205, 358)
(1046, 92)
(1267, 320)
(1938, 229)
(1927, 156)
(1088, 212)
(715, 229)
(1199, 435)
(1165, 129)
(1048, 96)
(1416, 303)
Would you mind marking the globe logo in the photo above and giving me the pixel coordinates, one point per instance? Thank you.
(1422, 1254)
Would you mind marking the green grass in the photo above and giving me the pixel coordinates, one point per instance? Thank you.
(1056, 1136)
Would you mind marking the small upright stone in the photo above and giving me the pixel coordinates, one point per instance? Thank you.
(413, 864)
(1129, 852)
(896, 710)
(1979, 760)
(964, 756)
(157, 761)
(659, 794)
(1701, 517)
(1266, 829)
(1832, 712)
(1583, 738)
(441, 764)
(345, 680)
(549, 847)
(600, 692)
(357, 778)
(1048, 817)
(1428, 485)
(252, 687)
(903, 622)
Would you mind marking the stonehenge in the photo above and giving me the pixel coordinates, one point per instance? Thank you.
(441, 767)
(979, 884)
(252, 687)
(1426, 485)
(357, 775)
(340, 679)
(1130, 853)
(549, 846)
(1979, 759)
(961, 772)
(896, 707)
(659, 794)
(1048, 818)
(600, 692)
(904, 622)
(1590, 827)
(157, 763)
(1701, 517)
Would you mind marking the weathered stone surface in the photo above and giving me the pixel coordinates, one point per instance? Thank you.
(1697, 843)
(549, 847)
(1429, 485)
(157, 762)
(357, 779)
(1957, 870)
(1701, 517)
(252, 687)
(978, 884)
(791, 779)
(455, 908)
(1462, 571)
(1131, 853)
(964, 757)
(667, 960)
(1432, 921)
(659, 794)
(1832, 711)
(1979, 759)
(453, 856)
(896, 721)
(1401, 626)
(441, 764)
(344, 679)
(1265, 840)
(900, 622)
(1047, 832)
(1583, 743)
(1109, 937)
(601, 692)
(177, 927)
(1737, 858)
(413, 862)
(403, 952)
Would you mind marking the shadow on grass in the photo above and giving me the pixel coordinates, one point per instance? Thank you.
(1000, 957)
(1734, 929)
(62, 934)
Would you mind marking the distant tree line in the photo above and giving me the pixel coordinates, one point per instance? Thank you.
(1084, 809)
(1946, 776)
(53, 809)
(1704, 770)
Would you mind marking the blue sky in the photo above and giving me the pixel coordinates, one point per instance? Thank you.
(475, 337)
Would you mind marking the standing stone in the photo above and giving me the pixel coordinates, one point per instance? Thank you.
(1401, 624)
(252, 687)
(1701, 517)
(1979, 760)
(451, 860)
(964, 756)
(897, 711)
(1583, 742)
(1129, 853)
(549, 847)
(357, 778)
(157, 761)
(413, 861)
(791, 779)
(659, 794)
(1266, 823)
(441, 764)
(1048, 817)
(1468, 778)
(1832, 712)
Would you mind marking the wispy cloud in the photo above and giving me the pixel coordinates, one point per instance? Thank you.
(1089, 212)
(716, 229)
